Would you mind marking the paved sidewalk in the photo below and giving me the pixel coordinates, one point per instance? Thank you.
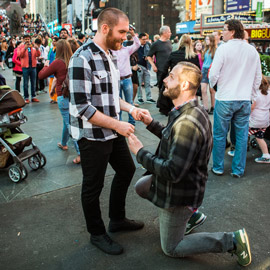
(42, 224)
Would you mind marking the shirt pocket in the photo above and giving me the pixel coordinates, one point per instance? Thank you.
(99, 82)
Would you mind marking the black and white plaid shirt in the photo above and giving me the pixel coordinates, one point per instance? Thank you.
(90, 85)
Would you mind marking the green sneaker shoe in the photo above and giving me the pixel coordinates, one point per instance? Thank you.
(197, 219)
(242, 250)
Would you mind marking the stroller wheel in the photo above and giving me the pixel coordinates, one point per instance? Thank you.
(24, 172)
(15, 173)
(34, 162)
(43, 160)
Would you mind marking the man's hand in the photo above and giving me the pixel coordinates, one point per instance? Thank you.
(145, 117)
(131, 31)
(47, 63)
(136, 113)
(125, 129)
(154, 67)
(134, 144)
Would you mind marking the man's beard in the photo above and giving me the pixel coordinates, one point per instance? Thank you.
(113, 43)
(172, 93)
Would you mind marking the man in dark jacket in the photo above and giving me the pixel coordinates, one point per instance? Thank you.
(179, 171)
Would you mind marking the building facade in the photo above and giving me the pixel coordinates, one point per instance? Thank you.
(146, 15)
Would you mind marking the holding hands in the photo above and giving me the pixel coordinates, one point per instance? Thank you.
(142, 115)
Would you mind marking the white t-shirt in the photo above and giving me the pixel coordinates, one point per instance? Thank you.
(115, 84)
(259, 117)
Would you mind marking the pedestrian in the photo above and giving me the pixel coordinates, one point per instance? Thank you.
(259, 119)
(161, 49)
(73, 44)
(236, 70)
(143, 71)
(218, 38)
(40, 84)
(28, 53)
(51, 58)
(198, 50)
(17, 69)
(63, 34)
(177, 173)
(123, 63)
(59, 69)
(94, 116)
(81, 39)
(208, 56)
(184, 53)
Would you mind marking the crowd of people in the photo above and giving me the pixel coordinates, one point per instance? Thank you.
(90, 79)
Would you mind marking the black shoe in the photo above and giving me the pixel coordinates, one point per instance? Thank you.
(211, 111)
(125, 225)
(106, 244)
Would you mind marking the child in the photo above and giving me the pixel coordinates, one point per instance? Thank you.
(259, 119)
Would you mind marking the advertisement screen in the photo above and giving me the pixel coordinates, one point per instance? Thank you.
(237, 5)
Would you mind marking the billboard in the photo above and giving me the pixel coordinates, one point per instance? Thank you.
(237, 5)
(204, 7)
(266, 4)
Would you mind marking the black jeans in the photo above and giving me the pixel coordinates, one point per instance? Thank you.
(40, 84)
(95, 157)
(18, 83)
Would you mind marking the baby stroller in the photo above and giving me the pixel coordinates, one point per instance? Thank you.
(13, 140)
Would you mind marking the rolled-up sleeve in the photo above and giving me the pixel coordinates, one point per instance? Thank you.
(80, 87)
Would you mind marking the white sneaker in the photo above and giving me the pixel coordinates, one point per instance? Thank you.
(231, 153)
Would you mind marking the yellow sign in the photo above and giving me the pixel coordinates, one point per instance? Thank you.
(260, 33)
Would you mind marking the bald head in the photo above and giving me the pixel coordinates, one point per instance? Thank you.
(111, 16)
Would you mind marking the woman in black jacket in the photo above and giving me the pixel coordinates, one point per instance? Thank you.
(185, 53)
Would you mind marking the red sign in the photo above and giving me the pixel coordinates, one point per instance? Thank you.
(68, 26)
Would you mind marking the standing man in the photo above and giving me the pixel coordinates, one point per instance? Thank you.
(81, 39)
(179, 171)
(236, 69)
(94, 115)
(64, 34)
(28, 53)
(161, 49)
(143, 72)
(123, 63)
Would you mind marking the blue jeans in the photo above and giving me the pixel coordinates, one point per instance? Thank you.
(63, 105)
(237, 113)
(144, 75)
(29, 73)
(127, 88)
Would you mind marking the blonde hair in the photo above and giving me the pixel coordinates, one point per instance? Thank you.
(63, 51)
(186, 42)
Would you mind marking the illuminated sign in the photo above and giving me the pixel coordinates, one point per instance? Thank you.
(262, 33)
(203, 7)
(237, 5)
(218, 19)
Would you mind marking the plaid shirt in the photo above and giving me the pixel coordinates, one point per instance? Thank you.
(180, 166)
(90, 86)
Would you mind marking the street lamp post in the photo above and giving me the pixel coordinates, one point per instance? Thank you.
(83, 21)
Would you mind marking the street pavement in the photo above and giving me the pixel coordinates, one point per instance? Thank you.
(42, 224)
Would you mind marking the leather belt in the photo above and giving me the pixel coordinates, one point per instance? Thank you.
(125, 77)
